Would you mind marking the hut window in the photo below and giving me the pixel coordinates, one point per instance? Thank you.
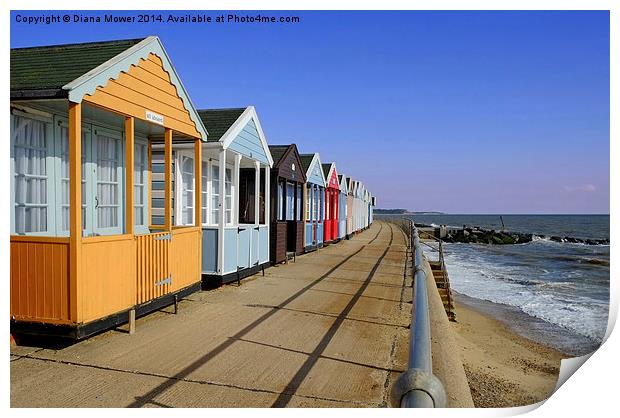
(187, 190)
(215, 194)
(280, 198)
(298, 202)
(140, 173)
(261, 200)
(31, 149)
(228, 195)
(247, 178)
(315, 204)
(205, 188)
(108, 199)
(308, 202)
(290, 201)
(64, 177)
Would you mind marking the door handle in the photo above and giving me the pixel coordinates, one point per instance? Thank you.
(96, 202)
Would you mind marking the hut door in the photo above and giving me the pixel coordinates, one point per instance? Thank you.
(107, 152)
(153, 274)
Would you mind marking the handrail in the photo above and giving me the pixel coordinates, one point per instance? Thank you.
(417, 387)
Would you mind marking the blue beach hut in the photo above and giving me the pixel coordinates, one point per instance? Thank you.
(315, 201)
(236, 165)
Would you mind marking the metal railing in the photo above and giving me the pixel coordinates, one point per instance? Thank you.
(417, 387)
(442, 266)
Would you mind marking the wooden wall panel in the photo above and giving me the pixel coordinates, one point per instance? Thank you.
(300, 238)
(40, 280)
(107, 280)
(185, 257)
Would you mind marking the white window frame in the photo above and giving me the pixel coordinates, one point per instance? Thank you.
(289, 210)
(49, 173)
(178, 183)
(120, 175)
(280, 194)
(308, 202)
(144, 227)
(207, 186)
(54, 176)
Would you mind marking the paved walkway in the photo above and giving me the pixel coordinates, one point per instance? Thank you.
(326, 331)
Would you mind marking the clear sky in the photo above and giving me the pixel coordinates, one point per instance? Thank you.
(461, 112)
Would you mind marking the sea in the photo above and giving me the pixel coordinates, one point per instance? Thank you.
(554, 293)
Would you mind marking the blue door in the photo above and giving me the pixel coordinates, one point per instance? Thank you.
(244, 238)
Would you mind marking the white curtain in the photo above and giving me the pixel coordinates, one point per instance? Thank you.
(139, 180)
(187, 195)
(107, 182)
(205, 187)
(290, 200)
(30, 152)
(64, 179)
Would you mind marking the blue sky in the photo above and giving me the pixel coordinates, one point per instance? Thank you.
(461, 112)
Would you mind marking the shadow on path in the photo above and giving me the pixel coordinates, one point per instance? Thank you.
(152, 394)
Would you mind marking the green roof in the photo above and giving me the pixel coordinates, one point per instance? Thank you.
(306, 160)
(326, 167)
(277, 152)
(218, 121)
(43, 71)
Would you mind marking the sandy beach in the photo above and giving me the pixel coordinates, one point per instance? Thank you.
(503, 368)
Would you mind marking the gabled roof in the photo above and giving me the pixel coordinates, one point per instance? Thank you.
(225, 124)
(219, 121)
(280, 153)
(342, 180)
(309, 162)
(326, 169)
(74, 70)
(306, 160)
(277, 152)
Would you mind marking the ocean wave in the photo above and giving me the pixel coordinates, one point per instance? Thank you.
(568, 303)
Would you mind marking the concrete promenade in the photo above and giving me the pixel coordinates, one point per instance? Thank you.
(329, 330)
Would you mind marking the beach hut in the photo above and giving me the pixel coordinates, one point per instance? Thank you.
(236, 166)
(342, 207)
(371, 207)
(359, 193)
(332, 190)
(315, 201)
(287, 183)
(356, 202)
(350, 206)
(84, 117)
(366, 208)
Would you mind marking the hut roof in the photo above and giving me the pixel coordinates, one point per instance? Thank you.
(218, 121)
(42, 71)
